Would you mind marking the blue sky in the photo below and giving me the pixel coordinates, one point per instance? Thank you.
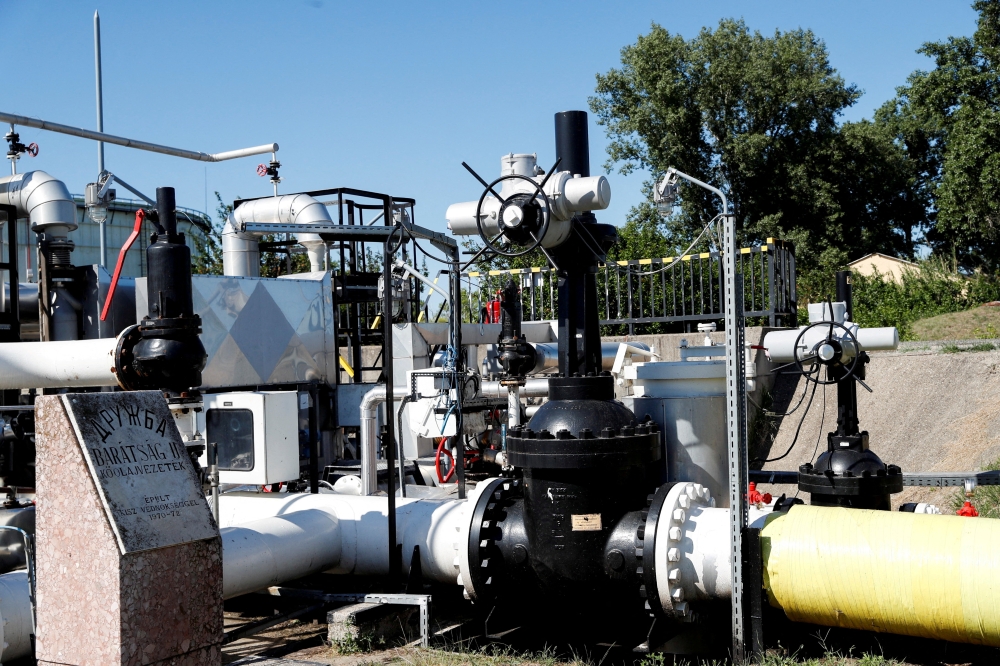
(383, 96)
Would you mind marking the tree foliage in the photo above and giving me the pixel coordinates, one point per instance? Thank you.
(757, 116)
(948, 122)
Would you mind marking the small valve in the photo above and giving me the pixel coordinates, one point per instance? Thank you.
(15, 148)
(967, 510)
(270, 169)
(754, 496)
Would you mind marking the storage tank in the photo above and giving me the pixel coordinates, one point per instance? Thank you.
(687, 399)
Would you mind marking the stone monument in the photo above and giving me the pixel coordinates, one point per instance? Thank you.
(128, 556)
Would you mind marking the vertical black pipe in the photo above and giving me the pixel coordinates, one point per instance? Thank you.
(395, 565)
(845, 292)
(456, 322)
(573, 142)
(579, 329)
(166, 207)
(847, 390)
(313, 440)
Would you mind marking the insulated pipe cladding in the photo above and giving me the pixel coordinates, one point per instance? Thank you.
(240, 253)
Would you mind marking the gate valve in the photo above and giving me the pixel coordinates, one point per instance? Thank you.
(270, 169)
(754, 496)
(15, 148)
(967, 510)
(140, 215)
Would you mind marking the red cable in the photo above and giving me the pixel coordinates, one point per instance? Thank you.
(437, 461)
(140, 215)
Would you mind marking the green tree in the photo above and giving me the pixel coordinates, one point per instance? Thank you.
(759, 117)
(948, 122)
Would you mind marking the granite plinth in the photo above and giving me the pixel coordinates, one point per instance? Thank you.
(97, 605)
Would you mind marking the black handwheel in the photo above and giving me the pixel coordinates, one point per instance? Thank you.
(521, 219)
(826, 352)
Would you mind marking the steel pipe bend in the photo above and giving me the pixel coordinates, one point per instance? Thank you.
(42, 198)
(240, 254)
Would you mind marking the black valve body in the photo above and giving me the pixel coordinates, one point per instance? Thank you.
(170, 355)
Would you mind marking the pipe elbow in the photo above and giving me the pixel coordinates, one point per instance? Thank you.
(45, 200)
(371, 401)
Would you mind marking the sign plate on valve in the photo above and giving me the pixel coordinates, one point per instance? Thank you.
(150, 491)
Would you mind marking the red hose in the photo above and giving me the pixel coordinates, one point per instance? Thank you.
(437, 461)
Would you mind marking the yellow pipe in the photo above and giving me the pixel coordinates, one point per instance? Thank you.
(917, 575)
(346, 366)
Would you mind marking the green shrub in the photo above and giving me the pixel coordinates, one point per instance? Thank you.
(932, 290)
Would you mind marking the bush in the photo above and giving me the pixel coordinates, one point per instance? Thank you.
(933, 290)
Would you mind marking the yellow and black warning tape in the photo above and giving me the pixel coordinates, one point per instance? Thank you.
(771, 245)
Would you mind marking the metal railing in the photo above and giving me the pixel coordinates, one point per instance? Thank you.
(641, 292)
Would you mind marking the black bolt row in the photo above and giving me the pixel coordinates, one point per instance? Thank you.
(647, 428)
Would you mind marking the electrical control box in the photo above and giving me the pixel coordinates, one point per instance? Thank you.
(256, 434)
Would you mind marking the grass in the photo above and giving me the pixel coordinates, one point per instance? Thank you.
(505, 656)
(978, 347)
(978, 323)
(986, 499)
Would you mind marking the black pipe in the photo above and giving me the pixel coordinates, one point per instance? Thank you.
(844, 292)
(395, 557)
(573, 142)
(169, 264)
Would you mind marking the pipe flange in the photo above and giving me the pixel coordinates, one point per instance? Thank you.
(663, 547)
(645, 539)
(485, 561)
(124, 371)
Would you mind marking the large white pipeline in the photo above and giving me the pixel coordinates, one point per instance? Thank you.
(240, 251)
(271, 538)
(16, 621)
(58, 364)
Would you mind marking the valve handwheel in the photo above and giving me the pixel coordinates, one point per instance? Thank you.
(828, 352)
(32, 149)
(520, 219)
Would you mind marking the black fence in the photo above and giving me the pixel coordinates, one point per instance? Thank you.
(654, 293)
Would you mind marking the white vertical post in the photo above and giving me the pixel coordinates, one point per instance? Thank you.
(736, 427)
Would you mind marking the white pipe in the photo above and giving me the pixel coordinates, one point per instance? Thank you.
(436, 527)
(402, 265)
(533, 388)
(369, 439)
(59, 364)
(25, 121)
(240, 253)
(273, 550)
(15, 616)
(547, 354)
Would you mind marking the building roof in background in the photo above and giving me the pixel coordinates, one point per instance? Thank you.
(891, 268)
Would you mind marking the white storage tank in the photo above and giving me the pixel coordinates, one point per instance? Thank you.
(687, 399)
